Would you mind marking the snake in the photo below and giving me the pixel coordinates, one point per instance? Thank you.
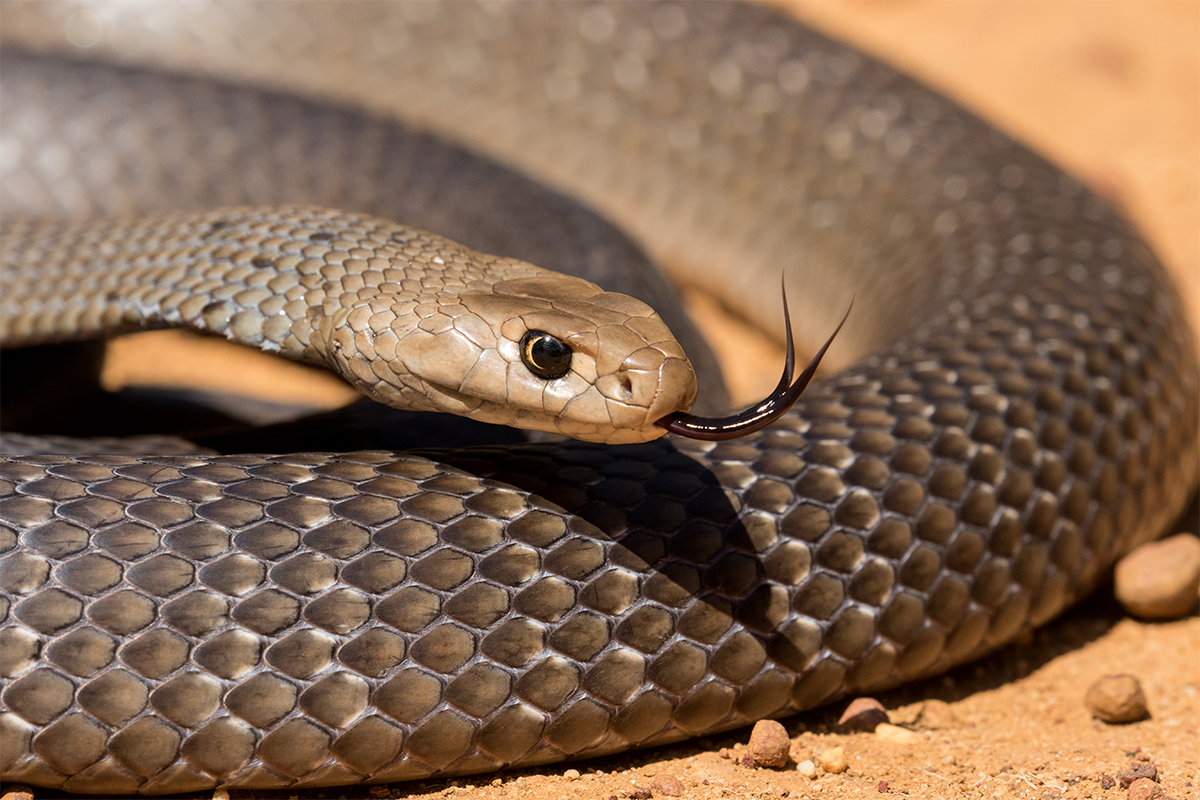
(1016, 404)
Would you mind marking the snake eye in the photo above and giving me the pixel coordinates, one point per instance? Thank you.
(545, 356)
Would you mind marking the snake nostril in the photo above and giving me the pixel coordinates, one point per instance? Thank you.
(626, 384)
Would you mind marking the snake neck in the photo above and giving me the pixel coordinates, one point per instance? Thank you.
(281, 279)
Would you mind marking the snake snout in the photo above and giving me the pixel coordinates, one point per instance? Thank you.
(649, 384)
(674, 383)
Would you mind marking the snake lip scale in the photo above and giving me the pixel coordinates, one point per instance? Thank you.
(1018, 404)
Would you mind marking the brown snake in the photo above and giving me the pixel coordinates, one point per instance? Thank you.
(1022, 409)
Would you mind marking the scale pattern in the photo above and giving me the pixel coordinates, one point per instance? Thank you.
(1028, 414)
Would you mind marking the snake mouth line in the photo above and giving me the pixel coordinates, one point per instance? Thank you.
(765, 411)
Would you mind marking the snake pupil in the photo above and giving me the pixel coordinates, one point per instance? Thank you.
(545, 356)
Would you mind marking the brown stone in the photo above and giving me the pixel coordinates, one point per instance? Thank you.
(896, 734)
(769, 744)
(1137, 772)
(1116, 699)
(1144, 789)
(833, 760)
(863, 714)
(1160, 580)
(667, 786)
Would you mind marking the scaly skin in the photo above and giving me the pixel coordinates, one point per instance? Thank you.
(1023, 412)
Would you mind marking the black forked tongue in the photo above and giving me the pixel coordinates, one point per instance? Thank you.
(762, 413)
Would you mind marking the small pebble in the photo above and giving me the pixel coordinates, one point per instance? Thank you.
(1144, 789)
(667, 786)
(1116, 699)
(863, 714)
(220, 794)
(896, 734)
(936, 715)
(571, 774)
(640, 793)
(807, 769)
(833, 760)
(1160, 580)
(1138, 771)
(1107, 782)
(768, 746)
(18, 791)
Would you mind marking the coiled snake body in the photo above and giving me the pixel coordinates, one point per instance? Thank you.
(1022, 410)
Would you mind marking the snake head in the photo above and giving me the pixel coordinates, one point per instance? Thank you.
(539, 351)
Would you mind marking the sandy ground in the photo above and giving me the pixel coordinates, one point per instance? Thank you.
(1111, 90)
(1015, 727)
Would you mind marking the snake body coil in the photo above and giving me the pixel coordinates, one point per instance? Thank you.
(1023, 410)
